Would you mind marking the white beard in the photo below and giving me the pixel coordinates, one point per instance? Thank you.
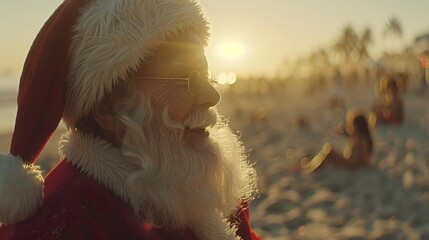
(185, 182)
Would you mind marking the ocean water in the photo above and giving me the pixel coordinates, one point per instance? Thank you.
(8, 107)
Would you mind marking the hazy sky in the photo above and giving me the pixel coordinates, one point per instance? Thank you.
(248, 36)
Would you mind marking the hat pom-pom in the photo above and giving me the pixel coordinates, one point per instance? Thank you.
(21, 189)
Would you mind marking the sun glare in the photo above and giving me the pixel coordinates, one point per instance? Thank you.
(226, 78)
(231, 50)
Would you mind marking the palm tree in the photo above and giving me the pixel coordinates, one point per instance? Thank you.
(346, 44)
(363, 43)
(319, 62)
(364, 58)
(393, 29)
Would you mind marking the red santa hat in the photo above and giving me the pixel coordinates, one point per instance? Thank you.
(84, 49)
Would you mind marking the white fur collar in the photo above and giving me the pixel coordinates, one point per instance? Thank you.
(98, 159)
(104, 163)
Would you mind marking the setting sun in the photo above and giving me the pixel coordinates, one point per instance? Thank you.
(231, 50)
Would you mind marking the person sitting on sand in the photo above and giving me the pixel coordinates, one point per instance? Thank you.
(357, 152)
(390, 108)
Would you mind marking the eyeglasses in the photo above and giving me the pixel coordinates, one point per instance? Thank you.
(195, 81)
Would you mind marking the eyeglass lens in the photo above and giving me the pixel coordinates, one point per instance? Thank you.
(194, 83)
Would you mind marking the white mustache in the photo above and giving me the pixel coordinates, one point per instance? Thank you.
(201, 119)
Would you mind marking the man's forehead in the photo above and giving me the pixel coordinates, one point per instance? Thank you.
(176, 57)
(187, 48)
(187, 41)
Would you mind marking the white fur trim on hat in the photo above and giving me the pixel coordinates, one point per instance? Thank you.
(112, 38)
(21, 189)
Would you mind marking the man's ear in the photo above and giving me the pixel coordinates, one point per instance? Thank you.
(103, 115)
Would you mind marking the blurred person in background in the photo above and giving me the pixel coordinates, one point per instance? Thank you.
(146, 155)
(357, 151)
(389, 109)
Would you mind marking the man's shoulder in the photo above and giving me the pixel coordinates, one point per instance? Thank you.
(67, 179)
(68, 184)
(74, 204)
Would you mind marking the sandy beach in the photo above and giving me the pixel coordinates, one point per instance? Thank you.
(387, 201)
(390, 200)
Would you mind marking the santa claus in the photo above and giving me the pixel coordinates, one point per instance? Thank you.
(146, 155)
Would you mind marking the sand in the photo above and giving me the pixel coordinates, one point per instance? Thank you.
(387, 201)
(390, 200)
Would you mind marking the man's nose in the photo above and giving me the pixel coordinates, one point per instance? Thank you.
(209, 96)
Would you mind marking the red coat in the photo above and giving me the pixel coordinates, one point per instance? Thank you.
(77, 207)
